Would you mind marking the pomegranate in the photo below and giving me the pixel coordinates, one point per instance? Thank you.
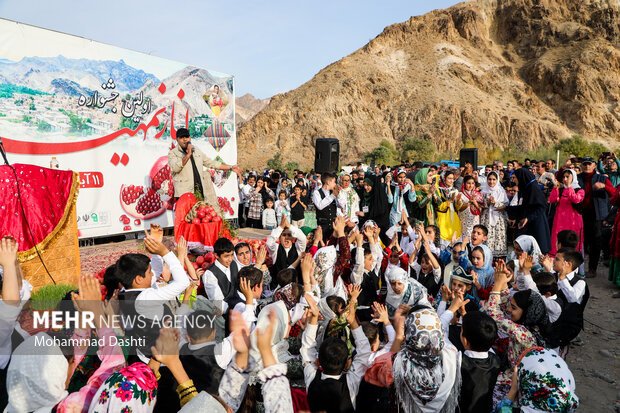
(131, 193)
(196, 221)
(146, 202)
(205, 265)
(201, 214)
(195, 265)
(137, 222)
(200, 260)
(209, 257)
(206, 220)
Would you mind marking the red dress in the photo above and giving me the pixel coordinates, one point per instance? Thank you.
(614, 263)
(566, 217)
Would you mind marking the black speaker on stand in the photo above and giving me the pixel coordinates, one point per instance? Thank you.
(326, 155)
(469, 155)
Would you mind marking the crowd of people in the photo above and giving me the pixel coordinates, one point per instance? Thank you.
(422, 288)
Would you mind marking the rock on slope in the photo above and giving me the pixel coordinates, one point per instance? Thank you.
(508, 72)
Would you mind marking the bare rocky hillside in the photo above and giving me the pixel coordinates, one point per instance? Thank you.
(511, 72)
(247, 106)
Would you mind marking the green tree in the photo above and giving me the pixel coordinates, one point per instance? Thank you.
(32, 107)
(385, 154)
(275, 162)
(291, 166)
(418, 149)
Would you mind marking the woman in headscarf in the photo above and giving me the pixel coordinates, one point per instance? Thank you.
(348, 199)
(494, 214)
(447, 210)
(471, 206)
(401, 189)
(522, 316)
(544, 384)
(329, 280)
(529, 245)
(279, 344)
(427, 369)
(374, 205)
(425, 187)
(531, 215)
(566, 199)
(401, 289)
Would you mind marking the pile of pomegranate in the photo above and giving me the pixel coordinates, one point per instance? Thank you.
(206, 214)
(151, 200)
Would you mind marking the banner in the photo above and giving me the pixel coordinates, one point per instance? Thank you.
(111, 114)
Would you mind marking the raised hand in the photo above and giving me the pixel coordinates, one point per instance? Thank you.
(354, 291)
(338, 226)
(166, 349)
(8, 251)
(181, 249)
(380, 313)
(157, 232)
(527, 264)
(446, 293)
(261, 255)
(154, 246)
(246, 289)
(284, 222)
(240, 332)
(547, 262)
(263, 340)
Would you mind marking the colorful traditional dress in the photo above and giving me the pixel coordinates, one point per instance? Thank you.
(566, 216)
(424, 210)
(470, 216)
(350, 202)
(494, 220)
(447, 211)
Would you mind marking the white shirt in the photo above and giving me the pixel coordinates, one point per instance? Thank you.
(418, 269)
(8, 320)
(149, 301)
(407, 243)
(325, 202)
(212, 288)
(358, 368)
(574, 294)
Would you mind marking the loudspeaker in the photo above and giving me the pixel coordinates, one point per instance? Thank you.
(469, 155)
(326, 155)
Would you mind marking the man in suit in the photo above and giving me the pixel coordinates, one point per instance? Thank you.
(186, 164)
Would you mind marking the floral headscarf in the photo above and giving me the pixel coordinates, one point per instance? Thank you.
(325, 260)
(286, 295)
(422, 190)
(413, 292)
(421, 371)
(545, 383)
(131, 390)
(473, 194)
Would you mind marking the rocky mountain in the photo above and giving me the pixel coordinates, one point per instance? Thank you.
(51, 74)
(247, 106)
(497, 72)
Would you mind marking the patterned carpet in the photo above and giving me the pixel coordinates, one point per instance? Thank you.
(98, 257)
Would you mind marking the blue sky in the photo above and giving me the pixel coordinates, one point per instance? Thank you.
(270, 47)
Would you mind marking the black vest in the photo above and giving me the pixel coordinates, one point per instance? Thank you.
(326, 215)
(283, 260)
(370, 286)
(229, 288)
(479, 377)
(143, 329)
(329, 395)
(586, 293)
(372, 398)
(201, 366)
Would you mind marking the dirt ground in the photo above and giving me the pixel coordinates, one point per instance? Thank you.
(595, 363)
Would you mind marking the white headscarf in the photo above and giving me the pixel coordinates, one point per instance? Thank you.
(204, 402)
(279, 345)
(418, 293)
(499, 195)
(239, 263)
(575, 183)
(36, 376)
(325, 260)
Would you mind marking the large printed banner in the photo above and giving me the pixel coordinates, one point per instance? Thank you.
(111, 114)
